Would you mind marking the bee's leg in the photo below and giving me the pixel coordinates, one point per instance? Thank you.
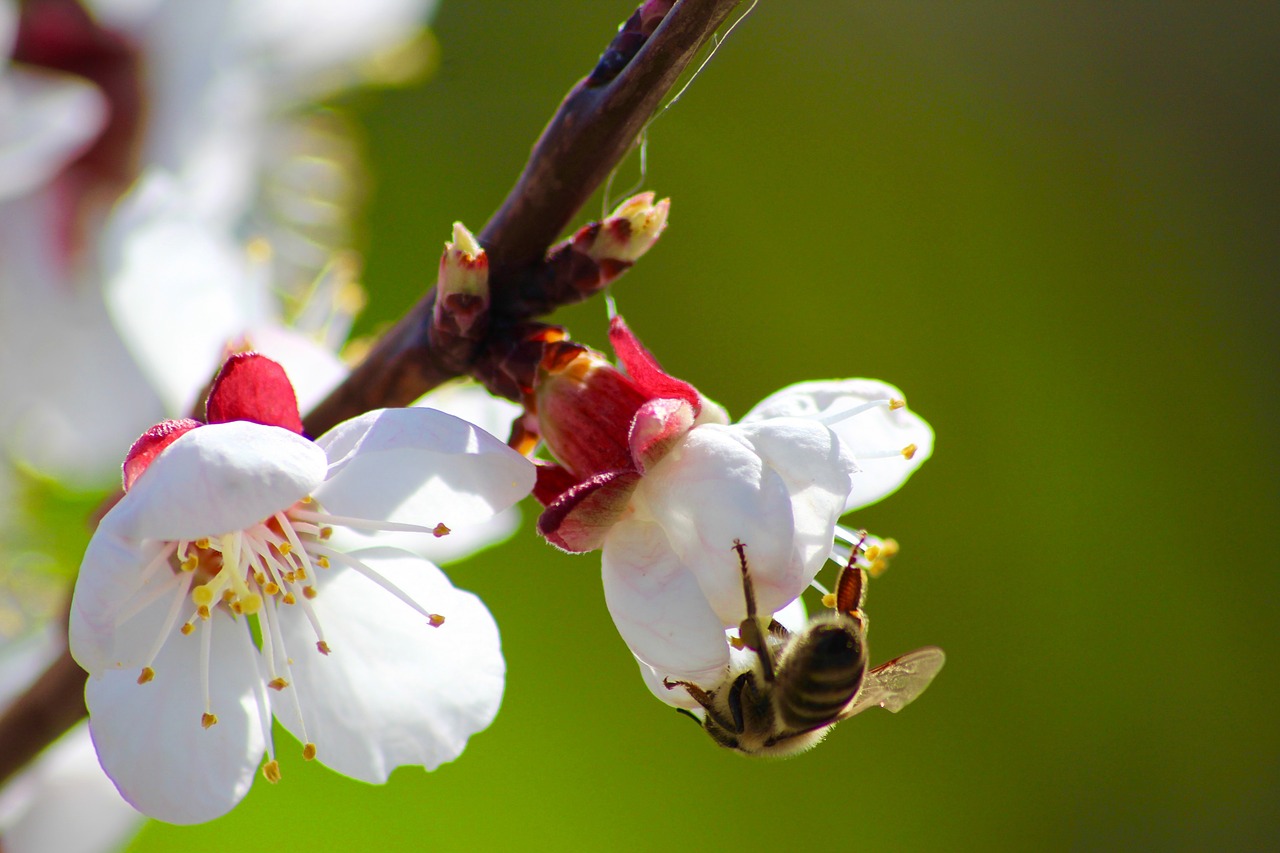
(704, 699)
(777, 629)
(749, 629)
(851, 589)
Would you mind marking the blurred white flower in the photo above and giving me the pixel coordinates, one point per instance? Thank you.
(143, 145)
(366, 654)
(62, 802)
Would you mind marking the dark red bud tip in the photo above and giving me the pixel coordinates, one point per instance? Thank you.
(150, 444)
(252, 387)
(645, 371)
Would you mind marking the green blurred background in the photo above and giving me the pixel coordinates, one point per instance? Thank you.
(1054, 225)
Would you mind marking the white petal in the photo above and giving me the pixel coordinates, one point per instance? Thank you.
(64, 802)
(711, 490)
(420, 466)
(149, 737)
(393, 690)
(217, 479)
(817, 471)
(108, 587)
(876, 431)
(658, 607)
(48, 118)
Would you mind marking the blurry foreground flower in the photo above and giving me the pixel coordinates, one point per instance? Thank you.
(653, 474)
(241, 576)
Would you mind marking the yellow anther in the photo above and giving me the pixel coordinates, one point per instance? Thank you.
(326, 532)
(288, 599)
(277, 684)
(308, 751)
(187, 628)
(285, 549)
(308, 499)
(146, 675)
(202, 612)
(436, 620)
(322, 561)
(890, 547)
(271, 771)
(441, 530)
(208, 720)
(189, 564)
(251, 603)
(322, 647)
(259, 578)
(829, 600)
(878, 568)
(202, 544)
(873, 552)
(894, 405)
(300, 574)
(202, 596)
(308, 592)
(909, 451)
(270, 588)
(236, 608)
(228, 595)
(737, 643)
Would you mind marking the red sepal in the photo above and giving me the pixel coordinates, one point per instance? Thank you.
(645, 371)
(252, 387)
(150, 444)
(579, 519)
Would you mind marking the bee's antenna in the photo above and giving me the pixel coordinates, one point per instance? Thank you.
(749, 629)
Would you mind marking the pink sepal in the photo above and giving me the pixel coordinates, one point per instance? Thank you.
(579, 519)
(150, 444)
(656, 428)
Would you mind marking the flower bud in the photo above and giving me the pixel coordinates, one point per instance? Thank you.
(630, 231)
(462, 287)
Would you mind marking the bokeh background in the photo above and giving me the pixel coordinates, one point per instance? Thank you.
(1054, 225)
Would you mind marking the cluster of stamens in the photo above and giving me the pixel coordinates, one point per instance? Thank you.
(257, 572)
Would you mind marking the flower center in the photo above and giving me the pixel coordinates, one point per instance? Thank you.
(259, 573)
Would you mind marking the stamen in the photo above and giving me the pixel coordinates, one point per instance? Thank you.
(171, 618)
(441, 530)
(829, 599)
(271, 771)
(308, 751)
(352, 562)
(843, 414)
(206, 641)
(361, 523)
(146, 675)
(208, 720)
(436, 620)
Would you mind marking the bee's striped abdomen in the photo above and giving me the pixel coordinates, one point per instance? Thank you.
(821, 674)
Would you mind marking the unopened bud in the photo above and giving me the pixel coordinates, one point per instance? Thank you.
(462, 287)
(464, 267)
(631, 230)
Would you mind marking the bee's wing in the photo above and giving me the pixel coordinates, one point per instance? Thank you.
(895, 684)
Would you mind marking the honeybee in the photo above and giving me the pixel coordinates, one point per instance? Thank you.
(820, 675)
